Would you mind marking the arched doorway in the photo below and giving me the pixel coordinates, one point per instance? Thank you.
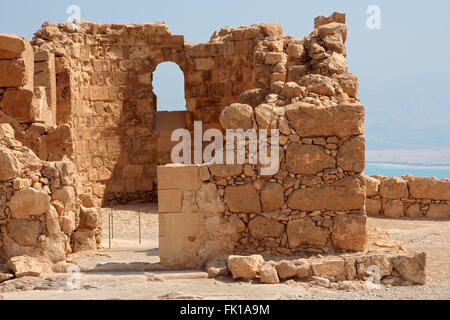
(168, 86)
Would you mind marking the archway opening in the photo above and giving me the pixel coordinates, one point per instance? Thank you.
(168, 86)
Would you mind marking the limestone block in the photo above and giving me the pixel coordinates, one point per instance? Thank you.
(286, 269)
(373, 207)
(84, 240)
(269, 275)
(305, 232)
(208, 201)
(253, 97)
(26, 266)
(307, 159)
(414, 211)
(180, 239)
(393, 188)
(226, 170)
(243, 198)
(345, 194)
(333, 269)
(261, 228)
(311, 120)
(178, 177)
(9, 165)
(372, 186)
(246, 268)
(439, 211)
(237, 116)
(24, 232)
(333, 28)
(265, 117)
(204, 64)
(170, 201)
(349, 232)
(18, 103)
(428, 188)
(29, 202)
(393, 208)
(411, 266)
(352, 155)
(272, 196)
(12, 46)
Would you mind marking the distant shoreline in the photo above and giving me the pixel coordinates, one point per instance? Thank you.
(406, 165)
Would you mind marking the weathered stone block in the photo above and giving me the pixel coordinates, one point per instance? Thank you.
(178, 177)
(393, 208)
(439, 211)
(272, 196)
(170, 201)
(9, 165)
(349, 232)
(307, 159)
(310, 120)
(428, 188)
(29, 202)
(345, 194)
(261, 228)
(393, 188)
(246, 268)
(242, 199)
(237, 116)
(372, 186)
(12, 46)
(305, 232)
(373, 207)
(352, 155)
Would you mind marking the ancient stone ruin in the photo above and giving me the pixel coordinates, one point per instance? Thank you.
(80, 129)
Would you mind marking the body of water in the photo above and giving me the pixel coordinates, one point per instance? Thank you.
(390, 170)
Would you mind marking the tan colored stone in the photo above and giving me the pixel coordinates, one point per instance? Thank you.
(411, 267)
(6, 131)
(261, 228)
(26, 266)
(372, 186)
(21, 104)
(393, 188)
(286, 269)
(24, 232)
(373, 207)
(333, 28)
(178, 177)
(226, 170)
(352, 155)
(246, 268)
(272, 196)
(305, 232)
(9, 165)
(428, 188)
(29, 202)
(439, 211)
(169, 201)
(345, 194)
(269, 275)
(84, 240)
(237, 116)
(265, 117)
(330, 269)
(208, 200)
(12, 46)
(393, 208)
(349, 232)
(414, 211)
(307, 159)
(243, 199)
(311, 120)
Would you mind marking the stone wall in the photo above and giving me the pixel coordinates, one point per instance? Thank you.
(42, 213)
(104, 83)
(408, 196)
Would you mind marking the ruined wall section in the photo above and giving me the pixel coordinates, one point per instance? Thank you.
(43, 215)
(408, 197)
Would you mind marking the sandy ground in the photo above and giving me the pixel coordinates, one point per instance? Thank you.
(430, 236)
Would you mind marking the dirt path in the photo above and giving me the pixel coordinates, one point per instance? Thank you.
(430, 236)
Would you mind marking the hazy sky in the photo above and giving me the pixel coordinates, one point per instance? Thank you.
(403, 67)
